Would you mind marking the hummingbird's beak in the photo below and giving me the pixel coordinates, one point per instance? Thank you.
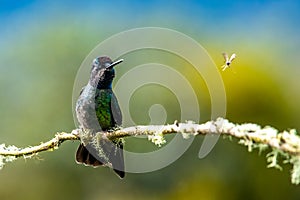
(114, 64)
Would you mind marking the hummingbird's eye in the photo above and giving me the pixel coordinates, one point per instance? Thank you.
(96, 62)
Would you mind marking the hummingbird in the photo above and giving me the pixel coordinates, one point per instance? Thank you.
(97, 111)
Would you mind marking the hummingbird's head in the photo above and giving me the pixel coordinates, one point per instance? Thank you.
(103, 72)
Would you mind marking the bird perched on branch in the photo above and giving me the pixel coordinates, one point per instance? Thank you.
(97, 110)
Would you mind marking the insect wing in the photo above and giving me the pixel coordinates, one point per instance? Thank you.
(232, 57)
(225, 56)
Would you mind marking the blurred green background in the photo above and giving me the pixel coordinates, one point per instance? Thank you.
(42, 44)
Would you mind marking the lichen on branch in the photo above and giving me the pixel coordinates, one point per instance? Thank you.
(285, 145)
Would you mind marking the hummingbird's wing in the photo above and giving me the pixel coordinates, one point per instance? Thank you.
(114, 152)
(116, 157)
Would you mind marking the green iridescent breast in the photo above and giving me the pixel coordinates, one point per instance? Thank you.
(103, 108)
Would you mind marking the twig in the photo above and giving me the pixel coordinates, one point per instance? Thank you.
(285, 144)
(47, 146)
(287, 141)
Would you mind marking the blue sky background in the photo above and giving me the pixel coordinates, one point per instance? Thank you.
(227, 23)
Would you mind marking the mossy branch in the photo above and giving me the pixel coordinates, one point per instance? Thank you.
(284, 144)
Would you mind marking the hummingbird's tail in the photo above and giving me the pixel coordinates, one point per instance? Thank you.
(113, 155)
